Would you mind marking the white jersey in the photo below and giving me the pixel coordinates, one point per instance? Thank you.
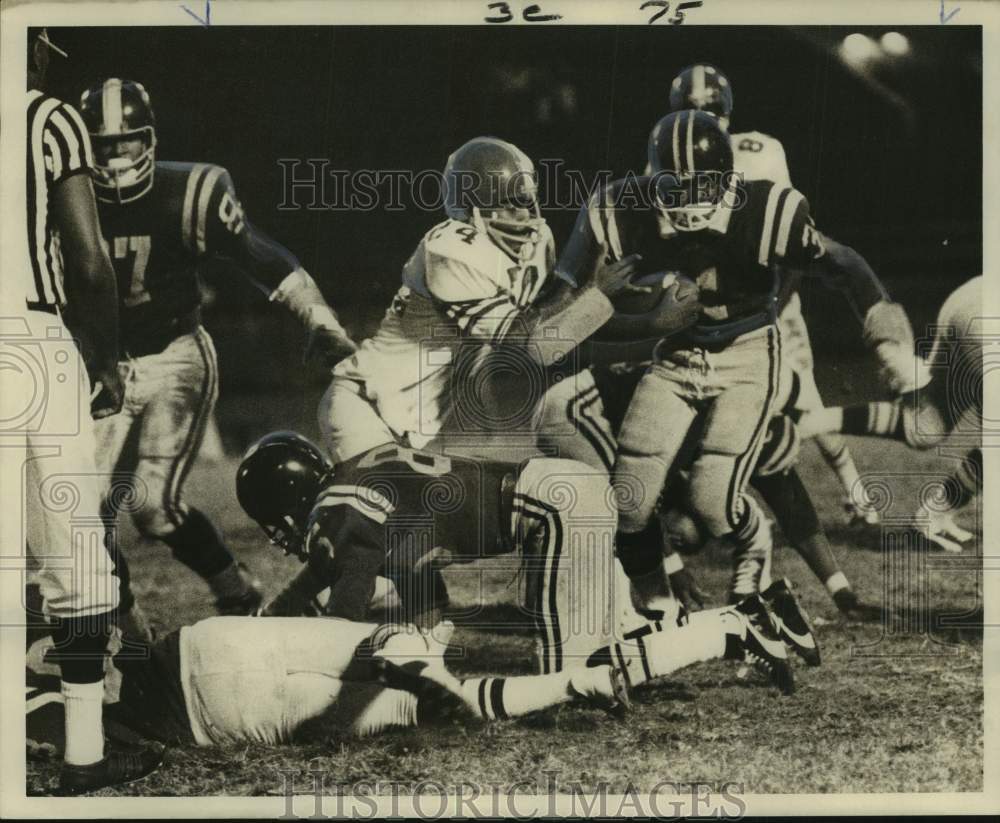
(262, 679)
(759, 156)
(457, 286)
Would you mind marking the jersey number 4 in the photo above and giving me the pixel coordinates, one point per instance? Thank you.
(138, 248)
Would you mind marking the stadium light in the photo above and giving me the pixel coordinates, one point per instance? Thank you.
(895, 44)
(858, 48)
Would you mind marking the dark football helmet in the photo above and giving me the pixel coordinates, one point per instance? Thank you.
(116, 111)
(691, 160)
(702, 86)
(487, 176)
(277, 484)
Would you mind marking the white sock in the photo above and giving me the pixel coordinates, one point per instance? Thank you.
(84, 722)
(836, 582)
(497, 698)
(660, 652)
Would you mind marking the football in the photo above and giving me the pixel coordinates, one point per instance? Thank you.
(664, 286)
(670, 305)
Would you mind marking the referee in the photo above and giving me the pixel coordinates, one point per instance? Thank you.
(67, 276)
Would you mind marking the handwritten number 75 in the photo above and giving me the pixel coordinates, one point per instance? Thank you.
(664, 7)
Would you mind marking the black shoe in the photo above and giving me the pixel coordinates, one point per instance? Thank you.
(117, 768)
(759, 644)
(853, 609)
(793, 622)
(620, 704)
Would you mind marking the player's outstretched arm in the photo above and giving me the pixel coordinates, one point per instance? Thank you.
(887, 330)
(276, 272)
(91, 289)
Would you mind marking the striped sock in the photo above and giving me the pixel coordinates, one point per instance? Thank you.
(498, 698)
(656, 650)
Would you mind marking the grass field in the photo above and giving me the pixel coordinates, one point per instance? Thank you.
(895, 707)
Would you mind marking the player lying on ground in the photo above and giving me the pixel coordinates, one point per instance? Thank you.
(161, 222)
(279, 680)
(938, 397)
(555, 513)
(229, 680)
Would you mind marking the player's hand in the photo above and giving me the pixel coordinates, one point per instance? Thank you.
(328, 346)
(686, 590)
(615, 277)
(941, 528)
(108, 392)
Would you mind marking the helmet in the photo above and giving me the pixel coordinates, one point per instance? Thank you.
(277, 484)
(692, 162)
(702, 86)
(486, 175)
(117, 110)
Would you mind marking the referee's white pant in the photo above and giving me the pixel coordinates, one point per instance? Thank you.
(45, 422)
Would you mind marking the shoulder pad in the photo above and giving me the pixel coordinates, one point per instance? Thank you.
(481, 269)
(774, 208)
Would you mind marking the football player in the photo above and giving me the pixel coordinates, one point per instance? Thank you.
(160, 221)
(400, 511)
(759, 156)
(478, 281)
(937, 397)
(229, 680)
(735, 239)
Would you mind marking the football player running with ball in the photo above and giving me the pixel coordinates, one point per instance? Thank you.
(698, 220)
(160, 221)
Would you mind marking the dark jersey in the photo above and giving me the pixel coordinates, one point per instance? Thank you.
(157, 242)
(401, 513)
(736, 261)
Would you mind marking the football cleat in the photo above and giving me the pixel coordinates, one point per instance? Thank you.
(759, 643)
(793, 623)
(853, 609)
(604, 687)
(116, 768)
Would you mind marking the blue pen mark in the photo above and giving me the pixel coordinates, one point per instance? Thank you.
(207, 20)
(946, 18)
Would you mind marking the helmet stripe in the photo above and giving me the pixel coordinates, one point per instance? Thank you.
(111, 106)
(677, 143)
(690, 141)
(698, 86)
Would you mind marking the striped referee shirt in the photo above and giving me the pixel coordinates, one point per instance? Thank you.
(57, 146)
